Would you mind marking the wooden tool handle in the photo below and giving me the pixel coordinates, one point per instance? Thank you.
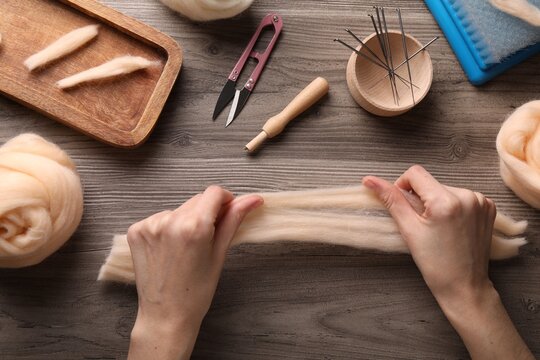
(304, 100)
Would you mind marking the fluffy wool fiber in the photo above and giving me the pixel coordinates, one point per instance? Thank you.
(62, 46)
(518, 144)
(207, 10)
(41, 200)
(119, 66)
(519, 8)
(350, 216)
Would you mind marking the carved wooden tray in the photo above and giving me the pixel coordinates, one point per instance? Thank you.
(120, 112)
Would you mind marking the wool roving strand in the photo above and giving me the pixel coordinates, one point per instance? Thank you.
(207, 10)
(350, 216)
(518, 145)
(118, 66)
(42, 200)
(522, 9)
(62, 46)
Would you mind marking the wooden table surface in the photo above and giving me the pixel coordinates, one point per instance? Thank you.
(282, 301)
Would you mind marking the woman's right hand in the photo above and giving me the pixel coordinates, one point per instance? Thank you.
(449, 240)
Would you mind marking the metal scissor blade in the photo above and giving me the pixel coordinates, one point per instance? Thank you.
(240, 100)
(224, 97)
(233, 108)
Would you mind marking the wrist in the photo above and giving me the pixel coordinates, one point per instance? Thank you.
(470, 304)
(164, 339)
(468, 299)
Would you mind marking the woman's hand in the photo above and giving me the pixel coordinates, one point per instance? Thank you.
(449, 237)
(178, 257)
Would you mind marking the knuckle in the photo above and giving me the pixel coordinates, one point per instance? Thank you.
(214, 189)
(448, 206)
(187, 228)
(417, 169)
(470, 199)
(134, 232)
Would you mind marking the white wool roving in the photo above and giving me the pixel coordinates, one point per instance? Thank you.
(118, 66)
(519, 8)
(41, 200)
(350, 216)
(62, 47)
(518, 145)
(207, 10)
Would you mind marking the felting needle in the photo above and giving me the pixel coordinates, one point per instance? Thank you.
(365, 45)
(382, 42)
(416, 52)
(389, 52)
(410, 57)
(361, 54)
(382, 65)
(404, 41)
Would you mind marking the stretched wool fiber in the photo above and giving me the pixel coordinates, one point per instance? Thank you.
(62, 46)
(350, 216)
(207, 10)
(518, 145)
(119, 66)
(522, 9)
(42, 200)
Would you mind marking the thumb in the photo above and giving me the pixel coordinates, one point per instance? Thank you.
(393, 199)
(230, 221)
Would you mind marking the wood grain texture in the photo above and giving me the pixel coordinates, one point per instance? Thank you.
(119, 112)
(285, 301)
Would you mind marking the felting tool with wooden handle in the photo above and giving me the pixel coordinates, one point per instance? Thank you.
(303, 101)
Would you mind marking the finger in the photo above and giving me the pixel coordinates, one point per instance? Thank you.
(231, 220)
(211, 202)
(492, 212)
(468, 197)
(394, 200)
(190, 204)
(415, 201)
(417, 179)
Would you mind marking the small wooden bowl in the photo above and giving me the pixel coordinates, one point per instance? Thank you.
(373, 92)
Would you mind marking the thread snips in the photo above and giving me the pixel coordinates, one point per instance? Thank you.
(229, 91)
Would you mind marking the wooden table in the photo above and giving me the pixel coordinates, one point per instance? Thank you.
(283, 301)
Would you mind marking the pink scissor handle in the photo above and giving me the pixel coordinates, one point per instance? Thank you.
(271, 19)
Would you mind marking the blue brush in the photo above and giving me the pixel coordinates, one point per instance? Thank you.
(486, 41)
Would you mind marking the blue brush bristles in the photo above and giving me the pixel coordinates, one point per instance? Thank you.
(486, 40)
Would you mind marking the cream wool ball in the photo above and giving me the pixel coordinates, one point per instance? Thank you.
(41, 200)
(518, 145)
(207, 10)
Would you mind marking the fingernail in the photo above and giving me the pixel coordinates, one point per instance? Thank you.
(259, 201)
(369, 183)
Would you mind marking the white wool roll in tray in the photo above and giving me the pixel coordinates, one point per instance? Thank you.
(118, 66)
(42, 200)
(207, 10)
(518, 145)
(63, 46)
(350, 216)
